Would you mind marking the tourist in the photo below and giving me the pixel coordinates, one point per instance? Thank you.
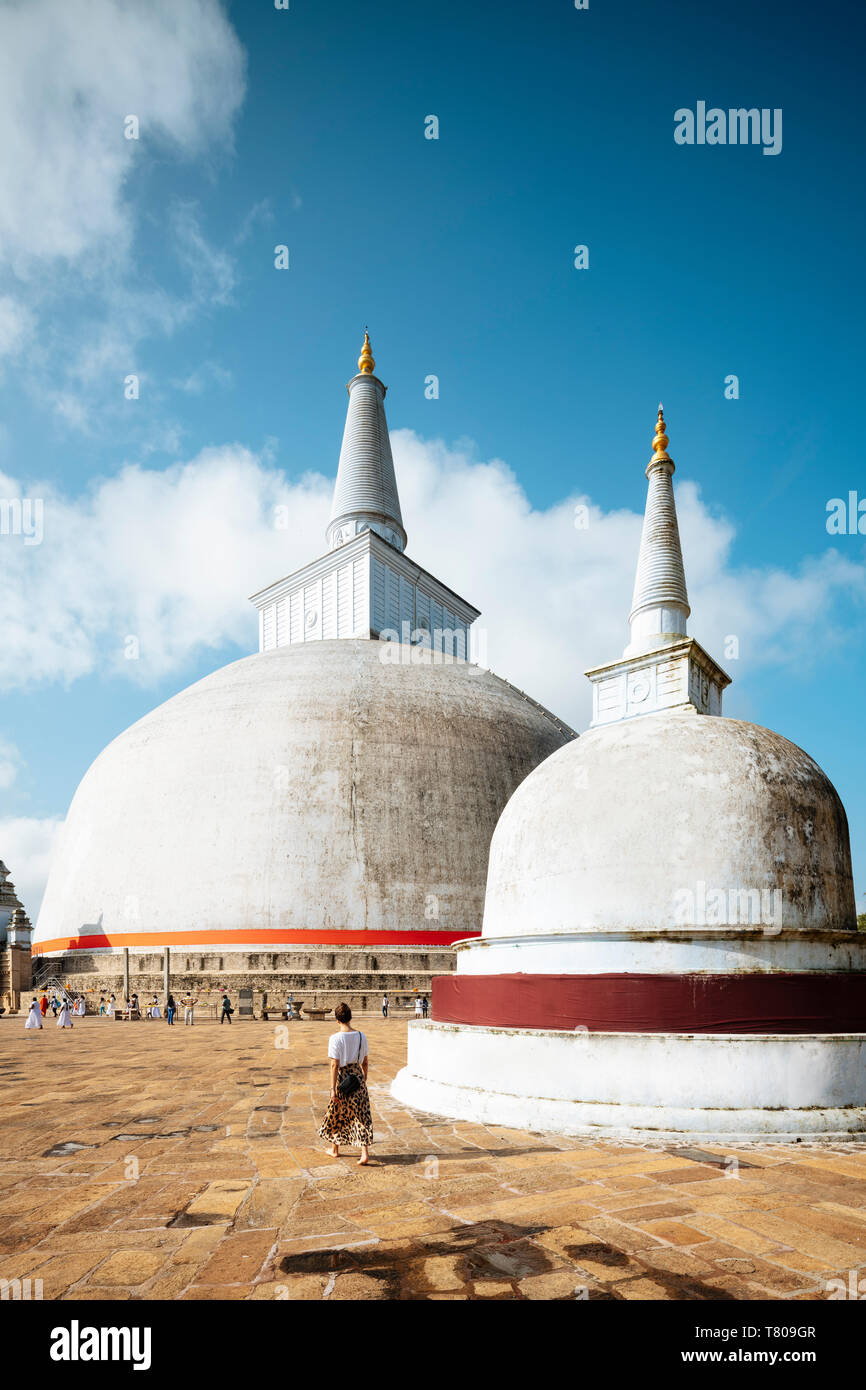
(55, 1005)
(227, 1010)
(65, 1019)
(101, 1005)
(134, 1007)
(419, 1008)
(290, 1007)
(170, 1007)
(348, 1119)
(43, 1006)
(189, 1009)
(34, 1017)
(425, 1005)
(385, 1006)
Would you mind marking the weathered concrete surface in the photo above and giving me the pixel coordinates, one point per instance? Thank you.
(618, 828)
(312, 787)
(232, 1197)
(712, 950)
(674, 1086)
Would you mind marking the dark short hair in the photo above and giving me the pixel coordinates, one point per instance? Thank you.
(343, 1014)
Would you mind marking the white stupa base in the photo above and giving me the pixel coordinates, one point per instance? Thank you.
(648, 1087)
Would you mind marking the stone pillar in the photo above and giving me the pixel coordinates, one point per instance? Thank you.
(166, 971)
(126, 972)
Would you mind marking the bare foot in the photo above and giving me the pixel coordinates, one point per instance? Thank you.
(333, 1151)
(364, 1159)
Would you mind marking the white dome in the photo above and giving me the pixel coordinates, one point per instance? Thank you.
(312, 787)
(615, 831)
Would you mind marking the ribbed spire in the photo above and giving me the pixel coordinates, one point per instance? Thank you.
(365, 494)
(660, 606)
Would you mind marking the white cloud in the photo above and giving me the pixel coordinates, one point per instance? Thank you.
(26, 843)
(170, 557)
(70, 74)
(16, 325)
(10, 765)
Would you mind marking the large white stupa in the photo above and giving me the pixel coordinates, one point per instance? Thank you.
(669, 945)
(336, 790)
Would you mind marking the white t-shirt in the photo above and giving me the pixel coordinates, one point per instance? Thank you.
(344, 1046)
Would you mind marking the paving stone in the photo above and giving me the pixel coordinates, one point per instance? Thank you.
(644, 1289)
(744, 1237)
(442, 1273)
(490, 1288)
(558, 1284)
(128, 1267)
(675, 1232)
(219, 1202)
(238, 1258)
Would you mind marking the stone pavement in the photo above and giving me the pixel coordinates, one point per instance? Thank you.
(138, 1161)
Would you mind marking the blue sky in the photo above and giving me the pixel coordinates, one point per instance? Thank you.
(305, 127)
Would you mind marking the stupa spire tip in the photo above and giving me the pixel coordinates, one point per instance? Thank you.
(366, 362)
(660, 439)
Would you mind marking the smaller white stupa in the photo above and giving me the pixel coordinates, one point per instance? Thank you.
(669, 945)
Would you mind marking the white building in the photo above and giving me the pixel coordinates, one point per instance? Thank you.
(669, 945)
(320, 795)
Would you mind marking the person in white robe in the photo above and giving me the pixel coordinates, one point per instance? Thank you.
(65, 1017)
(155, 1010)
(109, 1008)
(81, 1007)
(34, 1017)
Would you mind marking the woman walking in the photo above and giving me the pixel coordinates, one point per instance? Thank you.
(65, 1019)
(34, 1017)
(348, 1119)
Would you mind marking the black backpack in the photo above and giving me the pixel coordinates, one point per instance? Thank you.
(350, 1083)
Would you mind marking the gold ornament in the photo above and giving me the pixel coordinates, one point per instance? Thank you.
(366, 362)
(660, 439)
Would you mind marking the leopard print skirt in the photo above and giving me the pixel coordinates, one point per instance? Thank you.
(348, 1119)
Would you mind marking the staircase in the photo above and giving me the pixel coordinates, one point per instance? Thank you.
(44, 979)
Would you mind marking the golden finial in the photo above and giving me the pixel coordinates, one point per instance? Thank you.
(660, 439)
(366, 362)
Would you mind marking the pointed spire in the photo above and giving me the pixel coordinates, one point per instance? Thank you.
(365, 494)
(660, 439)
(366, 361)
(660, 606)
